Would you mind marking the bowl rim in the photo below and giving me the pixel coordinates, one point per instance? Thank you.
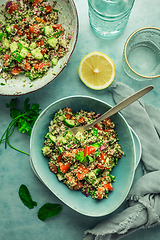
(42, 177)
(66, 62)
(125, 55)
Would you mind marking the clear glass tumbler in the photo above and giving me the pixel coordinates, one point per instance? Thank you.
(108, 18)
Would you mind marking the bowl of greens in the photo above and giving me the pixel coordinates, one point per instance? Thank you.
(37, 39)
(93, 173)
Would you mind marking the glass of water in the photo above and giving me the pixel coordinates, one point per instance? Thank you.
(141, 55)
(108, 18)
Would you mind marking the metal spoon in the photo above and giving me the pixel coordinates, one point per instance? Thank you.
(127, 101)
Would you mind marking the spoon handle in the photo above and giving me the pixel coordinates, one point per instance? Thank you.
(127, 101)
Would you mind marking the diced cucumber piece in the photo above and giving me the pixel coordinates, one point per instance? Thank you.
(8, 29)
(37, 53)
(46, 56)
(17, 56)
(24, 44)
(46, 150)
(96, 145)
(61, 118)
(54, 61)
(61, 140)
(60, 150)
(13, 46)
(52, 41)
(68, 135)
(5, 43)
(79, 136)
(52, 138)
(33, 46)
(48, 30)
(1, 35)
(69, 122)
(24, 51)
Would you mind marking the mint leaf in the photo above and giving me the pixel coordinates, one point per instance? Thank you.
(49, 210)
(25, 196)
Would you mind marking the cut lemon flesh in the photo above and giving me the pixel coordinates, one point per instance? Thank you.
(96, 70)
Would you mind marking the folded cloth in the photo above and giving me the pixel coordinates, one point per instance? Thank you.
(143, 200)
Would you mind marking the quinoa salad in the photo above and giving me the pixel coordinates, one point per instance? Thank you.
(31, 39)
(84, 161)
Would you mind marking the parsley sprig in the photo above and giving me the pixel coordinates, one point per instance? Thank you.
(23, 120)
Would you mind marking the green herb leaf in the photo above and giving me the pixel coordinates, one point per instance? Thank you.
(91, 160)
(25, 196)
(80, 156)
(94, 132)
(24, 120)
(49, 210)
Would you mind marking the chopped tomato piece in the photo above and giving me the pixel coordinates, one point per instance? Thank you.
(53, 168)
(97, 126)
(36, 2)
(36, 65)
(99, 193)
(59, 158)
(68, 116)
(58, 26)
(109, 130)
(81, 120)
(108, 186)
(16, 27)
(81, 172)
(100, 166)
(27, 66)
(89, 150)
(28, 36)
(64, 168)
(43, 51)
(105, 121)
(16, 70)
(78, 186)
(102, 156)
(6, 57)
(35, 29)
(48, 9)
(13, 7)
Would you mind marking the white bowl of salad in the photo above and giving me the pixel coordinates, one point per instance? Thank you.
(93, 172)
(37, 39)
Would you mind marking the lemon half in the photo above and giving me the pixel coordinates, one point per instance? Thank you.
(97, 70)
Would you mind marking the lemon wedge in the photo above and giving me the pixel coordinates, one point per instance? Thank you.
(96, 70)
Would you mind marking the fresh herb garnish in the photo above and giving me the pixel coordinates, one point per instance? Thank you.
(26, 198)
(46, 211)
(24, 120)
(49, 210)
(80, 156)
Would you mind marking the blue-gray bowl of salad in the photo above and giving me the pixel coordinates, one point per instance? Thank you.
(91, 172)
(37, 39)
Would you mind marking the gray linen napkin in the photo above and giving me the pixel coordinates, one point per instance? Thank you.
(143, 200)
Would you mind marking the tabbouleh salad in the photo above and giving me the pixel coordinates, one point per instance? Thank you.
(83, 162)
(31, 40)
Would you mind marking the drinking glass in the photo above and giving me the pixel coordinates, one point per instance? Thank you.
(141, 55)
(108, 18)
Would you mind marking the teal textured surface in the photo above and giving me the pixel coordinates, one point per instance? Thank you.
(18, 222)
